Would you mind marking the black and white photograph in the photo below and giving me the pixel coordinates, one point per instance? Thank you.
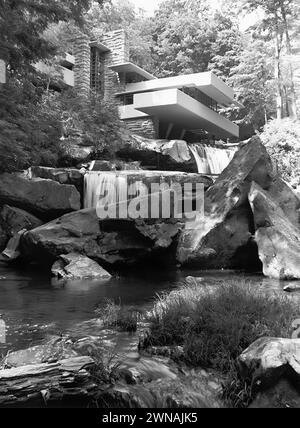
(149, 207)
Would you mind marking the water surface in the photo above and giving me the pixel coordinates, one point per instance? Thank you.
(34, 307)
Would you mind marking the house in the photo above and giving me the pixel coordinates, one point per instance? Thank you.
(181, 107)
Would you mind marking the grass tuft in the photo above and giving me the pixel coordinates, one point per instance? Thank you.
(114, 315)
(216, 324)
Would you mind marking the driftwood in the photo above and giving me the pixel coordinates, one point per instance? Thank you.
(66, 379)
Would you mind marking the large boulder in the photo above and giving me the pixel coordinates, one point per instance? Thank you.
(105, 241)
(269, 359)
(77, 266)
(14, 219)
(277, 238)
(46, 199)
(223, 237)
(287, 199)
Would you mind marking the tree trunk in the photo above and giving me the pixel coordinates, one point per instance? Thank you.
(278, 77)
(293, 100)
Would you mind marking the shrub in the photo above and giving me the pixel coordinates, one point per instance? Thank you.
(32, 122)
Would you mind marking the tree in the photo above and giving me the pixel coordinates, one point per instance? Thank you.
(190, 37)
(22, 23)
(254, 84)
(278, 19)
(123, 15)
(29, 129)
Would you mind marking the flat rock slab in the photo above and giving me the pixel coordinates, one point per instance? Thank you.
(77, 266)
(40, 383)
(46, 199)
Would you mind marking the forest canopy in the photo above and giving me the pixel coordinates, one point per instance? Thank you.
(259, 60)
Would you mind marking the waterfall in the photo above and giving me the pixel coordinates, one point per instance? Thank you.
(211, 160)
(161, 193)
(111, 184)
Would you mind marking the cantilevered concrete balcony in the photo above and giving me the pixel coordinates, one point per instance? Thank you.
(174, 106)
(207, 82)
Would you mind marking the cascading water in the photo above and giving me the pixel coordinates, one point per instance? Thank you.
(111, 184)
(211, 160)
(160, 192)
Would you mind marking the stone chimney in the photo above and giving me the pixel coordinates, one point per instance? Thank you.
(118, 45)
(82, 68)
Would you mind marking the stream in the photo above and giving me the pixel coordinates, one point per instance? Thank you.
(34, 307)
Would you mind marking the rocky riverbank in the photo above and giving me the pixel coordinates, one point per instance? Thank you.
(251, 221)
(175, 365)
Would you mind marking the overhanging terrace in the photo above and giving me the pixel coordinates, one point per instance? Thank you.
(207, 82)
(174, 106)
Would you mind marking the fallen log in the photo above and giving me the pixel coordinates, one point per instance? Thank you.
(63, 380)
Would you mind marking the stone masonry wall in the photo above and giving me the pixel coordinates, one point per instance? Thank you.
(146, 127)
(117, 42)
(82, 68)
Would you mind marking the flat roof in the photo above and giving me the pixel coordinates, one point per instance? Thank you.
(173, 106)
(129, 67)
(207, 82)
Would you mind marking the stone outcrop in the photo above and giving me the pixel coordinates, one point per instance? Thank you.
(223, 237)
(171, 155)
(277, 238)
(105, 241)
(46, 199)
(77, 266)
(70, 176)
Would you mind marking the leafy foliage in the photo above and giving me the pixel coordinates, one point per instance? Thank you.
(194, 38)
(253, 82)
(22, 24)
(94, 121)
(32, 123)
(29, 131)
(123, 15)
(282, 140)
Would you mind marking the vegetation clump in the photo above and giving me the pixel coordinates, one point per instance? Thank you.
(114, 315)
(216, 324)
